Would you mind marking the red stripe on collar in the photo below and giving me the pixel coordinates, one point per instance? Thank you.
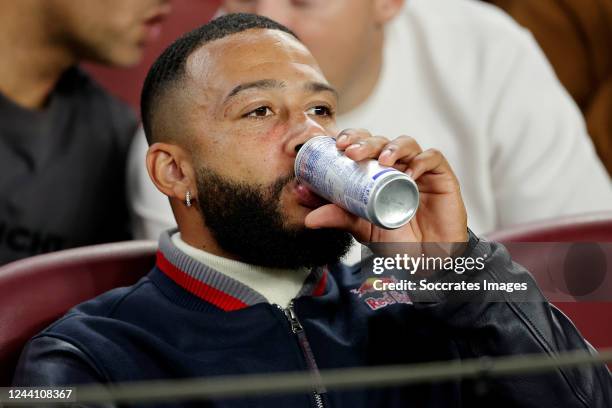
(321, 284)
(206, 292)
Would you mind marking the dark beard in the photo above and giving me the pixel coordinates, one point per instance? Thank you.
(246, 221)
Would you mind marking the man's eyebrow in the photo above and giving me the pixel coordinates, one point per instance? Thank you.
(261, 84)
(320, 87)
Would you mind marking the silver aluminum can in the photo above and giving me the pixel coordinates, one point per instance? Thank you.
(383, 195)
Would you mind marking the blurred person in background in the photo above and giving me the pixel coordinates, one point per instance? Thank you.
(576, 36)
(63, 139)
(461, 76)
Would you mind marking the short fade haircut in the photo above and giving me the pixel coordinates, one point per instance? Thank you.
(169, 67)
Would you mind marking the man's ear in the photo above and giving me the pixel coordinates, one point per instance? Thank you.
(385, 10)
(171, 171)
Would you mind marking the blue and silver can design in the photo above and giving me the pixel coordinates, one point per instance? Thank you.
(383, 195)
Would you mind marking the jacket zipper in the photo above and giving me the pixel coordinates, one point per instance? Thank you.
(298, 330)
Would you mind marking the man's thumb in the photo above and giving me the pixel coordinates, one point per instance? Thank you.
(330, 216)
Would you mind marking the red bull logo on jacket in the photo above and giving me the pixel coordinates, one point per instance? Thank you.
(384, 297)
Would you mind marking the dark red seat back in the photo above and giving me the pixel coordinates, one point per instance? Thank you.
(593, 319)
(595, 227)
(36, 291)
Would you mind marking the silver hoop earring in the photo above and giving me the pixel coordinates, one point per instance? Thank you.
(188, 198)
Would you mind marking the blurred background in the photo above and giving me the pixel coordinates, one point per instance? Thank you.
(126, 83)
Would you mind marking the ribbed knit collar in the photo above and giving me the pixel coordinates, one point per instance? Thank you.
(216, 288)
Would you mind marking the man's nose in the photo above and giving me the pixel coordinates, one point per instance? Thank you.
(309, 130)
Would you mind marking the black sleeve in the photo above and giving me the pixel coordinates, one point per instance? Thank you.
(484, 323)
(49, 361)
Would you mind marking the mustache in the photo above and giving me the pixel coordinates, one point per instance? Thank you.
(277, 187)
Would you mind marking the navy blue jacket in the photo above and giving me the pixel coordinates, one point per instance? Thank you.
(187, 320)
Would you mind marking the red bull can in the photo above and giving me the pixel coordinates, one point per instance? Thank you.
(383, 195)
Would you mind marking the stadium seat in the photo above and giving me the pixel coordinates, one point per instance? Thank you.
(593, 227)
(36, 291)
(593, 319)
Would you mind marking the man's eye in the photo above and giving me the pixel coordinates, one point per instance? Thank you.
(319, 111)
(260, 112)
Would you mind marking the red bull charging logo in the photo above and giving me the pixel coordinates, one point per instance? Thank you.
(386, 298)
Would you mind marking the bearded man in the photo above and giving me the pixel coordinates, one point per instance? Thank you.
(251, 281)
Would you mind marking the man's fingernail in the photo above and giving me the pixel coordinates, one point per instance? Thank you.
(353, 146)
(409, 173)
(342, 138)
(385, 153)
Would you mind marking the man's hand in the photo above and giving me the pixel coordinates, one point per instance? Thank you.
(441, 216)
